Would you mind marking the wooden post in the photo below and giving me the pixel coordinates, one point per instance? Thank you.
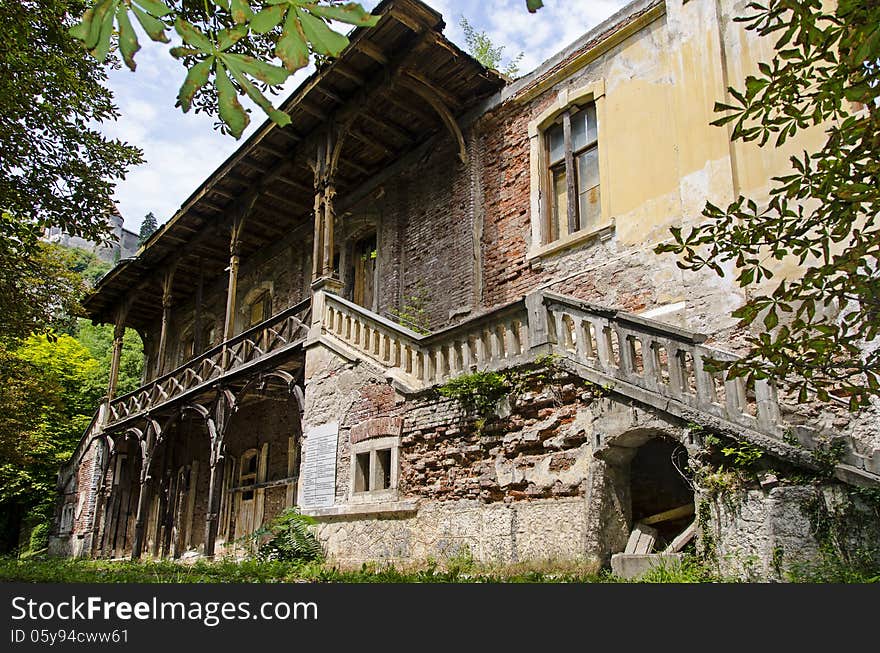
(198, 340)
(167, 303)
(146, 449)
(325, 192)
(234, 260)
(215, 482)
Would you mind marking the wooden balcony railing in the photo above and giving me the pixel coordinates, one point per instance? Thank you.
(256, 345)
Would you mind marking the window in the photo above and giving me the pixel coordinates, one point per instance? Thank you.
(260, 309)
(566, 167)
(374, 469)
(248, 475)
(573, 173)
(209, 334)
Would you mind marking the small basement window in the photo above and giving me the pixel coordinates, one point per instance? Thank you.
(374, 468)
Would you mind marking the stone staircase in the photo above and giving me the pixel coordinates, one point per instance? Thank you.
(656, 364)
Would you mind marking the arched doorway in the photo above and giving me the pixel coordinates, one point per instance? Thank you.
(661, 496)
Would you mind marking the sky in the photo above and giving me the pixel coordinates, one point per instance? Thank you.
(182, 150)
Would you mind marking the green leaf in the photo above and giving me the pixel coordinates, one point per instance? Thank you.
(128, 43)
(279, 117)
(351, 13)
(267, 19)
(231, 111)
(195, 79)
(292, 48)
(89, 30)
(154, 28)
(533, 5)
(241, 11)
(263, 71)
(228, 37)
(192, 36)
(323, 39)
(154, 7)
(83, 28)
(771, 319)
(102, 47)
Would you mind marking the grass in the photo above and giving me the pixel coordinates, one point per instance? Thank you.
(61, 570)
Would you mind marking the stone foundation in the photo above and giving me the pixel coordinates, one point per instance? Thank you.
(534, 531)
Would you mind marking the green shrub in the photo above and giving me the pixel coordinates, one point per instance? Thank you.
(39, 537)
(288, 538)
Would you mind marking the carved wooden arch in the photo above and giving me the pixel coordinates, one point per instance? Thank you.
(434, 97)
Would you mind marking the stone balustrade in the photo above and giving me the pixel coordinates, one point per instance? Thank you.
(639, 357)
(659, 358)
(493, 341)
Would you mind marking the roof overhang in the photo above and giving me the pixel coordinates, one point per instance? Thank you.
(386, 83)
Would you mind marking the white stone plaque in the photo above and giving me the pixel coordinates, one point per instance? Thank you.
(319, 466)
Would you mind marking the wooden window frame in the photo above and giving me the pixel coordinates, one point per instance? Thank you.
(543, 241)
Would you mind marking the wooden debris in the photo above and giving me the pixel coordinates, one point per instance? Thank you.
(682, 538)
(641, 540)
(668, 515)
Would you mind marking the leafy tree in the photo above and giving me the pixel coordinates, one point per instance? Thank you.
(87, 264)
(56, 168)
(481, 48)
(821, 215)
(98, 340)
(231, 48)
(148, 228)
(38, 290)
(48, 392)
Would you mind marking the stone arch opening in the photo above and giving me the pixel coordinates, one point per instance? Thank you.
(659, 492)
(641, 487)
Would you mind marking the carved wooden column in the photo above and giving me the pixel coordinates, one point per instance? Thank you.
(198, 339)
(235, 232)
(217, 429)
(167, 303)
(147, 444)
(326, 161)
(120, 316)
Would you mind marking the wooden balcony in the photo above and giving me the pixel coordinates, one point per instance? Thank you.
(260, 347)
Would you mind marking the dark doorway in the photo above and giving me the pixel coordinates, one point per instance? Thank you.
(364, 272)
(661, 496)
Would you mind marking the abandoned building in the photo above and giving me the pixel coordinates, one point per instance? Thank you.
(425, 218)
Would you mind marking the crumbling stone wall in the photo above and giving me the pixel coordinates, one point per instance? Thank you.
(791, 529)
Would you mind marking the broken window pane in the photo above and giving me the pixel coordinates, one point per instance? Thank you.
(588, 187)
(559, 213)
(556, 143)
(362, 472)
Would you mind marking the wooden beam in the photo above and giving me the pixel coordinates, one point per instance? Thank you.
(289, 134)
(308, 108)
(387, 125)
(668, 515)
(297, 185)
(447, 98)
(372, 51)
(330, 94)
(284, 199)
(355, 166)
(431, 98)
(347, 72)
(363, 138)
(274, 151)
